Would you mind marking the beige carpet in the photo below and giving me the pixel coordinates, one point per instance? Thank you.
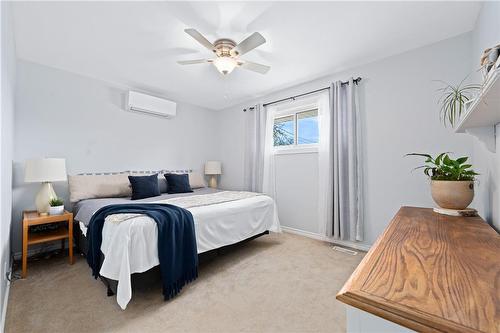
(277, 283)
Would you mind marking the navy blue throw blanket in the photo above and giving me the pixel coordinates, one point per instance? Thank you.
(177, 250)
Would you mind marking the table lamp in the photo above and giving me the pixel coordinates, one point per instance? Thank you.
(45, 171)
(213, 168)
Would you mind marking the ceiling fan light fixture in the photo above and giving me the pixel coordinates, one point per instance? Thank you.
(227, 52)
(225, 65)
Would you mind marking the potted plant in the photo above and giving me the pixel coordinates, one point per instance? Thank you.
(454, 99)
(56, 206)
(452, 181)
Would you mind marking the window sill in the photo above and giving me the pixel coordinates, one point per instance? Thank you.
(301, 150)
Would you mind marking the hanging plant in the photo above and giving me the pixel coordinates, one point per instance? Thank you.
(453, 100)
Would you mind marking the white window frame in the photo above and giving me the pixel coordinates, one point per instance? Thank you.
(296, 148)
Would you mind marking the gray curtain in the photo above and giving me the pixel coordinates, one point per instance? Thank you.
(347, 171)
(255, 129)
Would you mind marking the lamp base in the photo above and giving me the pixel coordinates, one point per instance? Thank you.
(43, 197)
(212, 182)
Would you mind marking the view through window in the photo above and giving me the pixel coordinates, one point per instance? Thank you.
(297, 129)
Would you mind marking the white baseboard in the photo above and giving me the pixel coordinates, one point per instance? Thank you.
(357, 246)
(303, 233)
(5, 303)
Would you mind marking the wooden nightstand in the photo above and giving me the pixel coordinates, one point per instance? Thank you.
(31, 218)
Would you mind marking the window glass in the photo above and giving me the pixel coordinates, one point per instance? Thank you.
(307, 127)
(284, 131)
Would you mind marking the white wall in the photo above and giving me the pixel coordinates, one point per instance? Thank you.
(296, 180)
(60, 114)
(6, 125)
(399, 115)
(486, 34)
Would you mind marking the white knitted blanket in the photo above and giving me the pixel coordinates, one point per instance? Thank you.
(191, 201)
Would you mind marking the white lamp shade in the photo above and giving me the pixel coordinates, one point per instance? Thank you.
(45, 170)
(213, 168)
(225, 65)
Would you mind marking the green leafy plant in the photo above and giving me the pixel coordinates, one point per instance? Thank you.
(54, 202)
(453, 100)
(444, 168)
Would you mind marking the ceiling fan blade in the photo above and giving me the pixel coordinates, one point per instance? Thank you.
(200, 38)
(248, 44)
(192, 62)
(252, 66)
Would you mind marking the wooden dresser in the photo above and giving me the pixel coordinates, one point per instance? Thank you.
(431, 273)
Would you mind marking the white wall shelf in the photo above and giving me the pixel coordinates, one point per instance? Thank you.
(485, 109)
(484, 112)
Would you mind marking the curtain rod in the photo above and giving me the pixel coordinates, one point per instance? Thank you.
(356, 81)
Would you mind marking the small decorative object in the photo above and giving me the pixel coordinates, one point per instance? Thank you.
(45, 171)
(468, 212)
(454, 99)
(213, 169)
(452, 181)
(489, 60)
(56, 206)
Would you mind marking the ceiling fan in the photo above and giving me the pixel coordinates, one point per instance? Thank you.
(227, 53)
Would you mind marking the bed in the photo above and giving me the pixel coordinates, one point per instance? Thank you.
(129, 244)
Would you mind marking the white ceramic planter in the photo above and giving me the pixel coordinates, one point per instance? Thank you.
(56, 210)
(452, 194)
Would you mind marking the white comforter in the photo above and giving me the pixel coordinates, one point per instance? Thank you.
(130, 242)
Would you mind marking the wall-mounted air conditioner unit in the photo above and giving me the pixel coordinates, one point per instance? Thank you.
(138, 102)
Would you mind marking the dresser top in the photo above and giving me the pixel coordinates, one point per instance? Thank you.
(431, 273)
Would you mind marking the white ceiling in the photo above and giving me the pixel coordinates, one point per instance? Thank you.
(137, 43)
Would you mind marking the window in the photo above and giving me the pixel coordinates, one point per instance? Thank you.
(297, 129)
(307, 127)
(284, 131)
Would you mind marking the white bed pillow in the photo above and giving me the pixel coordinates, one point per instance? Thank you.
(98, 186)
(196, 180)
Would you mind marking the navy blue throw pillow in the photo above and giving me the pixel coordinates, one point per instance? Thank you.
(177, 183)
(144, 186)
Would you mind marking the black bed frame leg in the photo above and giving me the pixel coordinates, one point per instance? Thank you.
(110, 292)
